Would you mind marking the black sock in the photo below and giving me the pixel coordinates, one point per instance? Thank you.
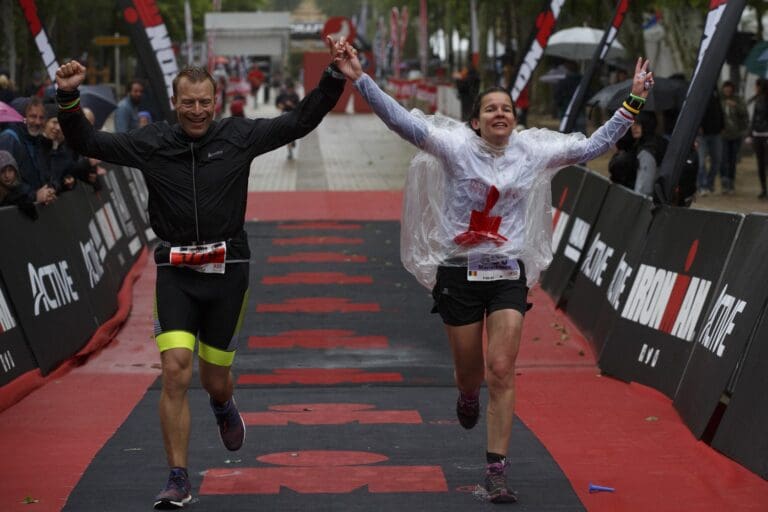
(493, 458)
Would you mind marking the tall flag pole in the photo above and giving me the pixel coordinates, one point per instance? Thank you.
(41, 37)
(188, 30)
(721, 23)
(394, 33)
(154, 48)
(545, 25)
(423, 47)
(580, 95)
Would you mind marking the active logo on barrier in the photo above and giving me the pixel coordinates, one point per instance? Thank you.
(52, 286)
(596, 261)
(618, 282)
(720, 322)
(577, 239)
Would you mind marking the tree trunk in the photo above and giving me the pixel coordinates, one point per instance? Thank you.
(683, 29)
(9, 42)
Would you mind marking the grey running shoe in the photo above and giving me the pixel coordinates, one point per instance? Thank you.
(468, 411)
(231, 425)
(177, 492)
(496, 484)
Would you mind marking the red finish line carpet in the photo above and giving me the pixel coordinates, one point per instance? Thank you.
(346, 385)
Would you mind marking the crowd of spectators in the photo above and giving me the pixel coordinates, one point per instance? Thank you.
(36, 163)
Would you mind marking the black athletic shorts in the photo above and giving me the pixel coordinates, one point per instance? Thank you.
(462, 302)
(210, 307)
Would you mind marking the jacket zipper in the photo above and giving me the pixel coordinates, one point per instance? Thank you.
(194, 192)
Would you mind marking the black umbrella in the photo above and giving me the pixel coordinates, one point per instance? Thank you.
(666, 94)
(100, 99)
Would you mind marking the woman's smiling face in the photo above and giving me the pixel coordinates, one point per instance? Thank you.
(496, 118)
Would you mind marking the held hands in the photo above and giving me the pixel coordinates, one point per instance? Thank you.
(643, 79)
(70, 75)
(345, 57)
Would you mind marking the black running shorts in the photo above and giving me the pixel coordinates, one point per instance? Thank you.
(209, 307)
(462, 302)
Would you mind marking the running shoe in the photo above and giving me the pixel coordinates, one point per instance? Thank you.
(231, 425)
(177, 492)
(468, 411)
(496, 484)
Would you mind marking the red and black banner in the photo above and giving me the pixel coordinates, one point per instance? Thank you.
(719, 28)
(40, 36)
(577, 194)
(732, 318)
(154, 48)
(664, 301)
(534, 50)
(615, 245)
(580, 95)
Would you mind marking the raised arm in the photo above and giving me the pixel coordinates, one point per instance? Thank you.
(79, 132)
(605, 137)
(268, 134)
(395, 116)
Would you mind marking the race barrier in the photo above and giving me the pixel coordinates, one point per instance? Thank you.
(59, 283)
(578, 196)
(671, 298)
(614, 247)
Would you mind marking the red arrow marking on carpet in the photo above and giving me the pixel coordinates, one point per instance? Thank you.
(318, 376)
(318, 338)
(317, 278)
(318, 305)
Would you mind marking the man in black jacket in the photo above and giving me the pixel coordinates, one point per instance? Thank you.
(197, 176)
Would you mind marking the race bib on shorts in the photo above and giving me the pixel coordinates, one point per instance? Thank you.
(491, 267)
(207, 258)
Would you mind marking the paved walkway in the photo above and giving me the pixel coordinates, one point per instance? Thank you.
(346, 152)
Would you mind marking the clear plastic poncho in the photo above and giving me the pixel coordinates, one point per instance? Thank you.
(464, 196)
(487, 200)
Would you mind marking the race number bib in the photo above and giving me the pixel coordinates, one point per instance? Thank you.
(491, 267)
(207, 258)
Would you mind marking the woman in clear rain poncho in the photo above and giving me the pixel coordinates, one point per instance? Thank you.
(476, 228)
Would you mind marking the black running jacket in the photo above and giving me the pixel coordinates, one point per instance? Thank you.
(198, 188)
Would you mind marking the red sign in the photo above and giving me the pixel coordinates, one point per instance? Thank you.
(338, 27)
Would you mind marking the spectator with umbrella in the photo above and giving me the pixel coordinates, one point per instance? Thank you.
(100, 99)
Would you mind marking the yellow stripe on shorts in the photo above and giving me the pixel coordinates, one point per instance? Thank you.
(215, 356)
(175, 339)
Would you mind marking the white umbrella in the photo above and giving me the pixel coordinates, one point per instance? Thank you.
(579, 43)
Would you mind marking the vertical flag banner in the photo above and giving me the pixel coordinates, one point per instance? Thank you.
(545, 25)
(40, 36)
(721, 23)
(579, 96)
(153, 46)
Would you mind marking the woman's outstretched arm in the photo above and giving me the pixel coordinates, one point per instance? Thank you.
(410, 127)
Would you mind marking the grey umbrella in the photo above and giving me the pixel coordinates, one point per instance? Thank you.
(667, 93)
(100, 99)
